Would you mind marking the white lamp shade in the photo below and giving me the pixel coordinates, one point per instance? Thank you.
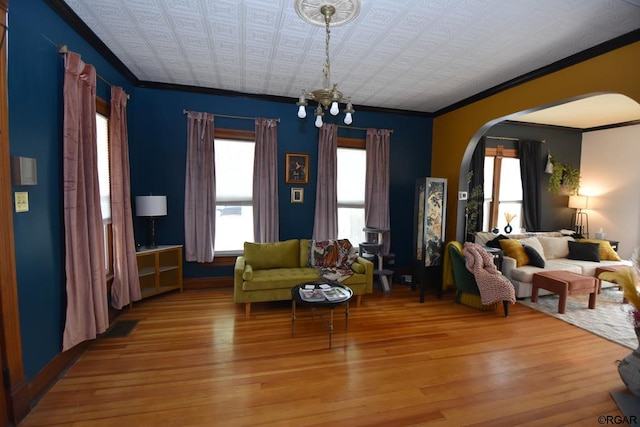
(578, 202)
(151, 205)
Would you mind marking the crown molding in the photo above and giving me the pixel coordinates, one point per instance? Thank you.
(602, 48)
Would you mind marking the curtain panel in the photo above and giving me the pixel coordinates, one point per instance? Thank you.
(126, 283)
(265, 182)
(87, 313)
(325, 223)
(531, 168)
(477, 181)
(376, 196)
(200, 189)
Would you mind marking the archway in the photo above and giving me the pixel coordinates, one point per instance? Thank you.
(586, 111)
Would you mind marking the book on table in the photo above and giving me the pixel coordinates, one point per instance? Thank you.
(330, 294)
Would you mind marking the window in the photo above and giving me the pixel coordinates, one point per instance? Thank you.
(104, 178)
(351, 188)
(502, 188)
(234, 193)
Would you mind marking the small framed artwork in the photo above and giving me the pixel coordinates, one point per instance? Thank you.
(297, 195)
(296, 168)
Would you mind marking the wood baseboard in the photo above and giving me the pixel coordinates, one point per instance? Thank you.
(207, 283)
(25, 396)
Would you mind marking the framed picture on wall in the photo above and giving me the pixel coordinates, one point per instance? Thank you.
(297, 195)
(296, 168)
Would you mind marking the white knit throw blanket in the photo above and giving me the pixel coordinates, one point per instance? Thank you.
(493, 286)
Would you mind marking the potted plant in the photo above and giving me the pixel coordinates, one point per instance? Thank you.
(564, 176)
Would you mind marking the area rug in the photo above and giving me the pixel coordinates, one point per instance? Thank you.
(611, 319)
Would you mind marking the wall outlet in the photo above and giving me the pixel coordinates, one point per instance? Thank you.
(462, 195)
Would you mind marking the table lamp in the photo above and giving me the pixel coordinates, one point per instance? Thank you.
(151, 206)
(582, 219)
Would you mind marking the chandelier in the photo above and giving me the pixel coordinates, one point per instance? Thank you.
(321, 13)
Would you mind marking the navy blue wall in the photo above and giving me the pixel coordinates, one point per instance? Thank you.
(158, 161)
(35, 72)
(157, 139)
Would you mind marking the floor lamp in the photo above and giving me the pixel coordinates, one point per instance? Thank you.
(582, 219)
(151, 207)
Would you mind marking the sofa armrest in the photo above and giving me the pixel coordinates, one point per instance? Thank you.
(238, 270)
(508, 265)
(368, 271)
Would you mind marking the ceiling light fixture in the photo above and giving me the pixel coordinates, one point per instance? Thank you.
(327, 13)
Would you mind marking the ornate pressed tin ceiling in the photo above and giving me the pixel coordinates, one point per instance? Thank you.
(416, 55)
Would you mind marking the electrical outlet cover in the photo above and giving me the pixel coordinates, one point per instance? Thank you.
(462, 195)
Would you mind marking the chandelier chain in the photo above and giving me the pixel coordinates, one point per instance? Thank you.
(327, 64)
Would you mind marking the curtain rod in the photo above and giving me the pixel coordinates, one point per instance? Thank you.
(63, 50)
(507, 138)
(357, 128)
(233, 117)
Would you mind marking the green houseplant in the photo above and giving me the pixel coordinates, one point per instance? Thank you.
(564, 176)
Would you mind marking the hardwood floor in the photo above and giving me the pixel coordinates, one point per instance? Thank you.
(194, 360)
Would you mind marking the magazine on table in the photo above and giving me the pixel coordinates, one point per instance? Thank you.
(325, 293)
(335, 293)
(311, 295)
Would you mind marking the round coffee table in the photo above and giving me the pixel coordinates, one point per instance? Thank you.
(321, 294)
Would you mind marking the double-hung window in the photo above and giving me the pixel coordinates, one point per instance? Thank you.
(502, 188)
(104, 178)
(234, 153)
(351, 168)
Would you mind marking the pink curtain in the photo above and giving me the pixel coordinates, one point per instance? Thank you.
(376, 197)
(265, 182)
(325, 224)
(200, 189)
(87, 313)
(126, 284)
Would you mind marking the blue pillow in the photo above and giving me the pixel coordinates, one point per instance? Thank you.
(534, 257)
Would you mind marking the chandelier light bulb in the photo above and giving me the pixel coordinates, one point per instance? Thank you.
(348, 119)
(318, 121)
(334, 108)
(302, 112)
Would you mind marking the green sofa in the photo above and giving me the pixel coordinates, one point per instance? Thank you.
(268, 271)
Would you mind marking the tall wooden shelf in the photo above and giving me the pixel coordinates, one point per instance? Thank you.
(160, 269)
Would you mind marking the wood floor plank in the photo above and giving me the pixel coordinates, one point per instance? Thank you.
(193, 359)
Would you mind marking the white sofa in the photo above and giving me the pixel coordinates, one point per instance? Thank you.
(555, 249)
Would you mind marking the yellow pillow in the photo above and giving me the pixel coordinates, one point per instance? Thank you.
(606, 251)
(514, 249)
(262, 256)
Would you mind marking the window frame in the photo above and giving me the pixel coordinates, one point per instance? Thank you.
(352, 143)
(498, 153)
(229, 259)
(103, 108)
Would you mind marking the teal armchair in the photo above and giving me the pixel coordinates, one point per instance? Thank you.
(464, 280)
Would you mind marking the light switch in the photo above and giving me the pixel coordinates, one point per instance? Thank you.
(22, 201)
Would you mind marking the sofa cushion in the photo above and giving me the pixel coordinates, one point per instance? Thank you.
(555, 247)
(358, 268)
(514, 249)
(535, 258)
(525, 273)
(247, 274)
(535, 244)
(584, 251)
(606, 251)
(272, 255)
(495, 243)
